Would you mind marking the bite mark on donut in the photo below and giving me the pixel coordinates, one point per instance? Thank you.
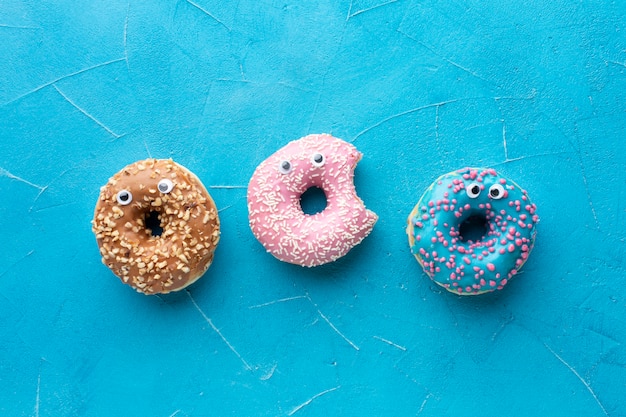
(276, 217)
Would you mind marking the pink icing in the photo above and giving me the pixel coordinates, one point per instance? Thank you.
(275, 215)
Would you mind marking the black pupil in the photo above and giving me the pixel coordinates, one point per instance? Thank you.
(286, 165)
(318, 158)
(124, 196)
(495, 192)
(163, 187)
(475, 189)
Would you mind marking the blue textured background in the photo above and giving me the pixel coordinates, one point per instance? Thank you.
(536, 89)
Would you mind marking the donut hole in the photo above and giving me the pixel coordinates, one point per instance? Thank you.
(473, 229)
(313, 201)
(153, 223)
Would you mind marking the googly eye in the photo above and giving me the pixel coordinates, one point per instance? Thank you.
(473, 190)
(318, 160)
(285, 167)
(124, 197)
(496, 191)
(165, 185)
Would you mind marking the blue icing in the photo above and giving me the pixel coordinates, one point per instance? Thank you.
(472, 230)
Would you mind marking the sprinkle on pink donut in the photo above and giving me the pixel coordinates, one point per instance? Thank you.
(482, 197)
(274, 192)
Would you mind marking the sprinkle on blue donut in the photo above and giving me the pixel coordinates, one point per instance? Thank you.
(472, 230)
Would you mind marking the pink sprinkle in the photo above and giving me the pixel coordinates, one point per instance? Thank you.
(522, 217)
(492, 283)
(502, 251)
(511, 247)
(433, 239)
(518, 242)
(424, 216)
(467, 260)
(482, 282)
(491, 267)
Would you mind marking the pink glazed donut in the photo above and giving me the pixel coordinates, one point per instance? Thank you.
(275, 213)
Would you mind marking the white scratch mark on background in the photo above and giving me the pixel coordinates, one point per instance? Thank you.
(56, 80)
(437, 141)
(7, 174)
(224, 208)
(227, 187)
(282, 300)
(448, 60)
(332, 326)
(126, 36)
(506, 149)
(4, 25)
(319, 312)
(83, 111)
(269, 373)
(593, 394)
(404, 113)
(38, 395)
(175, 413)
(389, 342)
(351, 15)
(216, 330)
(310, 400)
(208, 14)
(145, 145)
(621, 64)
(593, 209)
(424, 403)
(17, 262)
(520, 158)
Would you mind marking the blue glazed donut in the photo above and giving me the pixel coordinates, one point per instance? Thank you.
(497, 214)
